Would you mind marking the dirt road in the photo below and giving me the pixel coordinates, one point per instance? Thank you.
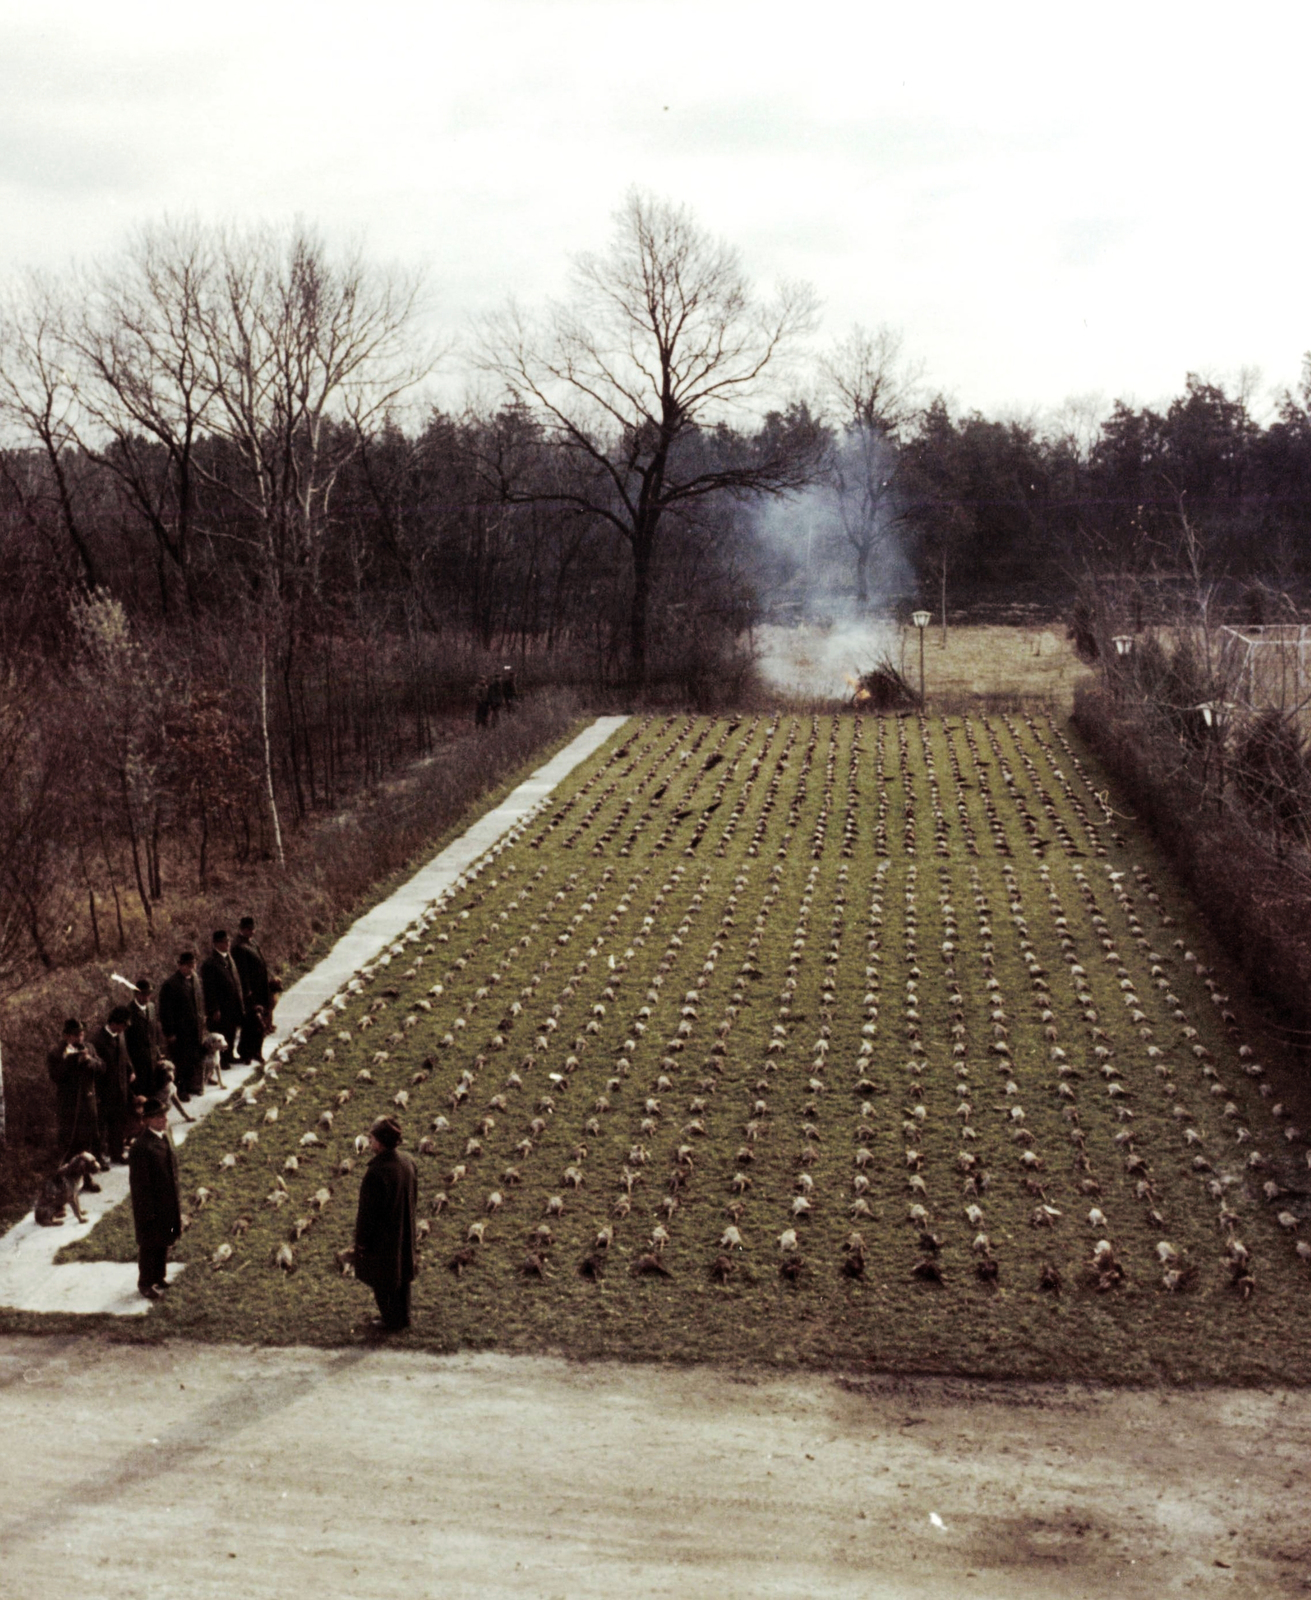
(210, 1471)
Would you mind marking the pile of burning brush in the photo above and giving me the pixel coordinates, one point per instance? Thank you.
(883, 688)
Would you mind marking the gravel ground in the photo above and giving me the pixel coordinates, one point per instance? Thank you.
(225, 1471)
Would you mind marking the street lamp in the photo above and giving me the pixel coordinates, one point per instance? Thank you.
(921, 621)
(1213, 715)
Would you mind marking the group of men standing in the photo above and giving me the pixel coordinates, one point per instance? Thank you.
(148, 1050)
(128, 1067)
(492, 695)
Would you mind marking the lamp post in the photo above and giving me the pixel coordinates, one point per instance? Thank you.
(1123, 643)
(921, 621)
(1213, 716)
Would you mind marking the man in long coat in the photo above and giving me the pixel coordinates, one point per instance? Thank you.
(114, 1091)
(145, 1041)
(254, 974)
(152, 1168)
(384, 1225)
(74, 1068)
(182, 1017)
(225, 1000)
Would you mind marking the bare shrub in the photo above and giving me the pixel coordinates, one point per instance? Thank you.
(1271, 773)
(884, 688)
(1256, 895)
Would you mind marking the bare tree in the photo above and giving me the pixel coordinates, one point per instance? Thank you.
(873, 391)
(661, 339)
(38, 408)
(303, 354)
(869, 381)
(144, 385)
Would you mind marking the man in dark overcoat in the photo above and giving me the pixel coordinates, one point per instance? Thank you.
(225, 1000)
(114, 1091)
(152, 1169)
(74, 1069)
(384, 1225)
(145, 1041)
(253, 971)
(182, 1017)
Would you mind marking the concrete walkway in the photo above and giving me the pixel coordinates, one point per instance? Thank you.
(29, 1278)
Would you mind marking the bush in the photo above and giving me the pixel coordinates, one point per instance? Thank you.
(1271, 774)
(1258, 902)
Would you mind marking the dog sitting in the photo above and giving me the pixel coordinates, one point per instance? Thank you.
(61, 1191)
(168, 1091)
(212, 1047)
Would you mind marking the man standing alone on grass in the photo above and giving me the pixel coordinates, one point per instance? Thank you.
(182, 1017)
(152, 1167)
(253, 971)
(384, 1226)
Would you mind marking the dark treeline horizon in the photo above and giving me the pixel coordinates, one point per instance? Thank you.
(240, 577)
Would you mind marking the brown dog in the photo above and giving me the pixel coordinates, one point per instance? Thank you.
(61, 1191)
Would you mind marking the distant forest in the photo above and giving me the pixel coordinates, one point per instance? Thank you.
(241, 574)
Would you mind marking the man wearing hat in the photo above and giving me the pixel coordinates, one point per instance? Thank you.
(253, 971)
(74, 1069)
(384, 1225)
(145, 1041)
(114, 1092)
(182, 1017)
(225, 999)
(152, 1170)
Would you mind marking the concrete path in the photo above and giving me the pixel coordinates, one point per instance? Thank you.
(29, 1279)
(225, 1473)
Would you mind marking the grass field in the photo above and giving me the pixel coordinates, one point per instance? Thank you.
(977, 664)
(749, 988)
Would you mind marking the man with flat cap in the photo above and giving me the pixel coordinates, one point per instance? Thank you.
(225, 999)
(152, 1172)
(384, 1225)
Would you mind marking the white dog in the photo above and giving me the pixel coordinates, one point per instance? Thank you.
(212, 1046)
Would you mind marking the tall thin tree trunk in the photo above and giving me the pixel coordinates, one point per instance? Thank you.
(637, 618)
(135, 841)
(268, 754)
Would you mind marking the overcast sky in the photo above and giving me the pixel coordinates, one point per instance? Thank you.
(1050, 201)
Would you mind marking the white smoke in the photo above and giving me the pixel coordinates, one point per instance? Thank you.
(821, 635)
(824, 659)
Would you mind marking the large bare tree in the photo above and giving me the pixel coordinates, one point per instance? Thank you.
(872, 391)
(144, 384)
(305, 353)
(661, 339)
